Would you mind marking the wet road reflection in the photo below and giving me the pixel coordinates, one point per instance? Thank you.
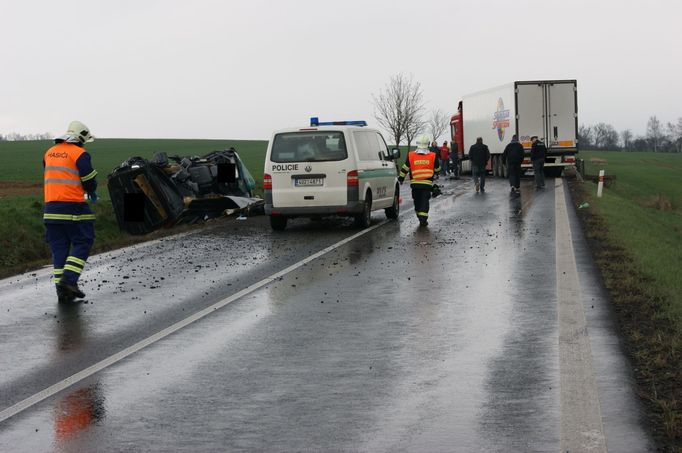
(405, 339)
(75, 413)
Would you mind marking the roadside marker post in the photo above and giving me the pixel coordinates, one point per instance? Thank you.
(600, 185)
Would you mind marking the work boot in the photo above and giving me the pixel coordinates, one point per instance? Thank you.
(63, 297)
(423, 222)
(70, 289)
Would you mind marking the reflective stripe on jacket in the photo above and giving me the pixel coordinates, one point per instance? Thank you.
(61, 178)
(421, 167)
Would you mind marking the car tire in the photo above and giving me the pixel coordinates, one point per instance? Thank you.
(278, 222)
(362, 220)
(394, 211)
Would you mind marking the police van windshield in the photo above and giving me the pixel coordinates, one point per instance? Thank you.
(309, 147)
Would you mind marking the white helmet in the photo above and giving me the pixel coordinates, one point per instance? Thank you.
(423, 142)
(80, 131)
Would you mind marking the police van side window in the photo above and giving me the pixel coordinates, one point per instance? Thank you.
(366, 145)
(308, 147)
(382, 148)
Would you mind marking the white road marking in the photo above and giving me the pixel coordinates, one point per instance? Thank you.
(99, 366)
(581, 421)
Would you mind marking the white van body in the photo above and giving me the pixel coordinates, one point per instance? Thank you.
(329, 170)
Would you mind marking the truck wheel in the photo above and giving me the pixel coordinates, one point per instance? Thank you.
(393, 211)
(362, 220)
(278, 222)
(496, 166)
(505, 175)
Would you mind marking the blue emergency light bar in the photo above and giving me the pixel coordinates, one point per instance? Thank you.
(315, 121)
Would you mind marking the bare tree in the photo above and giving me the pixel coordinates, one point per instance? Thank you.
(654, 132)
(626, 137)
(675, 132)
(414, 128)
(398, 105)
(605, 136)
(585, 136)
(438, 123)
(414, 109)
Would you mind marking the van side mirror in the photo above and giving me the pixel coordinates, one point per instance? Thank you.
(395, 153)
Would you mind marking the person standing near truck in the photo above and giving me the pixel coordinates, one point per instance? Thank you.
(479, 155)
(69, 222)
(444, 159)
(422, 165)
(538, 154)
(513, 157)
(454, 160)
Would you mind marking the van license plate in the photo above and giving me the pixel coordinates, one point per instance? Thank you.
(308, 182)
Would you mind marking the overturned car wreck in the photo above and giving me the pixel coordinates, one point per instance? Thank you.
(171, 190)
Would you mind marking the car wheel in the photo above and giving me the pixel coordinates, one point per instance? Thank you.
(393, 211)
(278, 222)
(362, 220)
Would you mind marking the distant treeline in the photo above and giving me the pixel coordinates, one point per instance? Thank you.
(659, 137)
(14, 137)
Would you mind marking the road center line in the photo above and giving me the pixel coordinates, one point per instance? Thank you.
(581, 421)
(99, 366)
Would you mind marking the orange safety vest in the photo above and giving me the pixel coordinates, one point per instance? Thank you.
(61, 179)
(421, 167)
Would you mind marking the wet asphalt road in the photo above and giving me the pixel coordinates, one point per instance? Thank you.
(403, 339)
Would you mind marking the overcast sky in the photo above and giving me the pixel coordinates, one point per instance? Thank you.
(241, 68)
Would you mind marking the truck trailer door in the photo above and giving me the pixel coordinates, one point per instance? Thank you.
(562, 115)
(530, 111)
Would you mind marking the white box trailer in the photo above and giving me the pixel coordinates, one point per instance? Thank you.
(545, 108)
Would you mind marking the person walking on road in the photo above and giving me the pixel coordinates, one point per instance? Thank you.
(513, 156)
(422, 165)
(479, 155)
(538, 154)
(444, 159)
(69, 222)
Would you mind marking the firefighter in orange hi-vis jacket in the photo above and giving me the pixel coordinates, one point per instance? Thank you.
(69, 222)
(422, 165)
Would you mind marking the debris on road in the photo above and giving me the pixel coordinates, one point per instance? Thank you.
(170, 190)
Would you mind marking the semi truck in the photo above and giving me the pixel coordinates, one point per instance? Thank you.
(547, 109)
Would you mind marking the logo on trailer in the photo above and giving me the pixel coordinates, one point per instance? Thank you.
(308, 168)
(501, 119)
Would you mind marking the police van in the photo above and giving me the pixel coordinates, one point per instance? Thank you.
(339, 168)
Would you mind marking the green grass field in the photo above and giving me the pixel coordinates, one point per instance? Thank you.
(635, 231)
(643, 210)
(23, 160)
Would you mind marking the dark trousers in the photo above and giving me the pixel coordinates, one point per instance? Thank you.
(421, 197)
(514, 172)
(538, 171)
(478, 173)
(455, 167)
(70, 244)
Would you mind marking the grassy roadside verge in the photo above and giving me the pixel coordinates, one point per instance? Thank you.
(635, 235)
(22, 234)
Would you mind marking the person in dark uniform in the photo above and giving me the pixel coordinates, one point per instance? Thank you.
(538, 154)
(479, 155)
(422, 165)
(69, 222)
(513, 157)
